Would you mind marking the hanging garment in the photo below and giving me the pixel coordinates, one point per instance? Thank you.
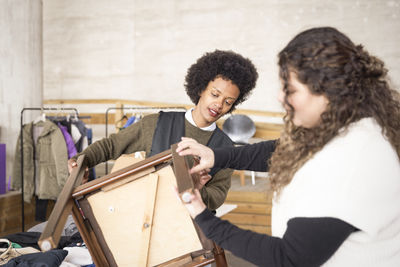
(82, 143)
(75, 134)
(40, 259)
(130, 121)
(68, 140)
(51, 154)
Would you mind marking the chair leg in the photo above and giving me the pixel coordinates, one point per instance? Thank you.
(242, 179)
(219, 256)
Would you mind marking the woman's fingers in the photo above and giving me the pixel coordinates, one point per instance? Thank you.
(185, 143)
(71, 164)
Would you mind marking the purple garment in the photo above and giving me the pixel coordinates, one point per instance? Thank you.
(3, 169)
(68, 140)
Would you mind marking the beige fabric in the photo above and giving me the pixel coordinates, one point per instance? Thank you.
(52, 156)
(6, 254)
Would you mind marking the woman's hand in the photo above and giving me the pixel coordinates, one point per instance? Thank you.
(189, 146)
(72, 164)
(200, 178)
(195, 206)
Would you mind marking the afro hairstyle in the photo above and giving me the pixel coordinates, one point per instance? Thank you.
(225, 64)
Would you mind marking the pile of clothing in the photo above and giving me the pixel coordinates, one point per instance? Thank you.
(21, 249)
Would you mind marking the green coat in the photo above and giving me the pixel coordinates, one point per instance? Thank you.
(51, 170)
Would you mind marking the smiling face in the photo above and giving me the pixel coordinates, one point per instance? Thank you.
(307, 107)
(215, 101)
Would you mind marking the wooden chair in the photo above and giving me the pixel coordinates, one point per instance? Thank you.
(132, 218)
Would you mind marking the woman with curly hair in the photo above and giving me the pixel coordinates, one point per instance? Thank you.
(335, 172)
(216, 83)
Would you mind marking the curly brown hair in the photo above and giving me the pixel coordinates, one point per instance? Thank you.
(353, 81)
(225, 64)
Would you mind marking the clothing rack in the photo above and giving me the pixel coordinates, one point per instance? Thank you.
(141, 110)
(22, 149)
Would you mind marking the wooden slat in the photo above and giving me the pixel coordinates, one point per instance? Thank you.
(184, 179)
(263, 130)
(253, 208)
(121, 174)
(113, 102)
(241, 196)
(154, 104)
(52, 232)
(98, 118)
(91, 241)
(152, 184)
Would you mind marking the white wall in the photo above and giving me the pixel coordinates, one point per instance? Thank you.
(141, 49)
(20, 67)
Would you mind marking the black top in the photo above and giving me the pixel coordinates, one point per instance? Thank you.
(306, 242)
(170, 129)
(249, 157)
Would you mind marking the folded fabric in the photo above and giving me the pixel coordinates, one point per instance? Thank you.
(30, 239)
(69, 229)
(68, 264)
(78, 255)
(52, 258)
(10, 252)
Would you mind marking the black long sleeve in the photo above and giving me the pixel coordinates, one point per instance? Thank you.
(252, 157)
(306, 242)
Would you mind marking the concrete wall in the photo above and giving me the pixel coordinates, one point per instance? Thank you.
(20, 67)
(141, 49)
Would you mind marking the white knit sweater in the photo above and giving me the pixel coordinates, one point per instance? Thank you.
(355, 178)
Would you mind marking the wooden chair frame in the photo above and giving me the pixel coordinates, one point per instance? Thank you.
(72, 200)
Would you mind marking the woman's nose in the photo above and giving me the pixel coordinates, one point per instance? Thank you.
(220, 102)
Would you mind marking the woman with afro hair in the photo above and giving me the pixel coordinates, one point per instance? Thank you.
(216, 84)
(335, 172)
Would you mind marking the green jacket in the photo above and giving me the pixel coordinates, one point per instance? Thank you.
(139, 137)
(48, 175)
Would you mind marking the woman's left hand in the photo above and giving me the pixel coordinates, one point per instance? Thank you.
(195, 206)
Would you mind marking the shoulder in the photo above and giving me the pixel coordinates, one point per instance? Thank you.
(174, 117)
(150, 117)
(171, 114)
(358, 170)
(146, 123)
(360, 151)
(149, 120)
(360, 143)
(224, 139)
